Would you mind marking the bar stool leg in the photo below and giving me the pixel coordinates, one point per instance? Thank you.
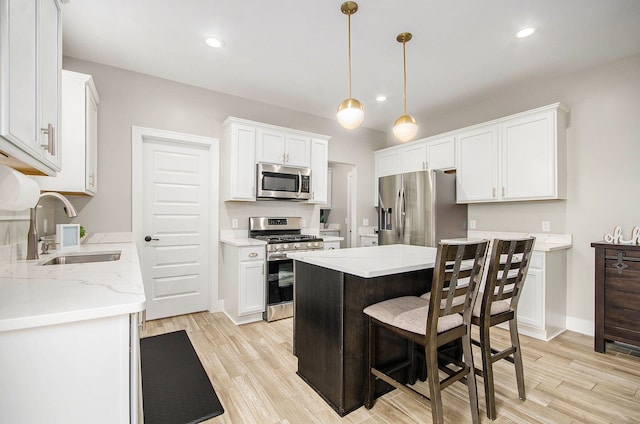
(517, 357)
(487, 371)
(471, 377)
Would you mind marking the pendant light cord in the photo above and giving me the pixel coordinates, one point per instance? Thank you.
(404, 66)
(349, 43)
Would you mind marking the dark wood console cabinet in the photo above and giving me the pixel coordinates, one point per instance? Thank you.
(617, 293)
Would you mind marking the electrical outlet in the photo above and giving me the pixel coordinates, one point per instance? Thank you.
(472, 224)
(546, 226)
(234, 223)
(365, 222)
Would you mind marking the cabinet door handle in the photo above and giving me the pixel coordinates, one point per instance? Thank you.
(253, 255)
(142, 320)
(51, 139)
(149, 238)
(425, 165)
(503, 191)
(287, 161)
(494, 192)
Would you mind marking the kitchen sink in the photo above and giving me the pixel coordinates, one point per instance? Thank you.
(83, 258)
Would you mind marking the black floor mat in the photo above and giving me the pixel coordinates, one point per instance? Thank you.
(175, 386)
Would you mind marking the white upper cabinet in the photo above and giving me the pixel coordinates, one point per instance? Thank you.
(238, 154)
(78, 137)
(521, 157)
(319, 167)
(49, 67)
(387, 162)
(414, 157)
(283, 148)
(419, 155)
(441, 153)
(477, 172)
(30, 64)
(246, 143)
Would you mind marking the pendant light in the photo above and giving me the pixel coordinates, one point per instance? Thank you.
(350, 112)
(405, 127)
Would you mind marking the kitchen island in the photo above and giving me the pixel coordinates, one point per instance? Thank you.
(332, 287)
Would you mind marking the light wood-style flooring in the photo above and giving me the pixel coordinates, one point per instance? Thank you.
(253, 371)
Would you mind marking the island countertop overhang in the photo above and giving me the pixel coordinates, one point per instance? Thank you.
(370, 262)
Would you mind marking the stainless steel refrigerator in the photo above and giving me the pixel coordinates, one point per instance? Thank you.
(419, 208)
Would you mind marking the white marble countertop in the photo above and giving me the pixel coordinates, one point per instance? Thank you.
(34, 295)
(242, 241)
(374, 261)
(545, 242)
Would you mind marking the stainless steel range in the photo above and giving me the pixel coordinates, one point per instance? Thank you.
(283, 235)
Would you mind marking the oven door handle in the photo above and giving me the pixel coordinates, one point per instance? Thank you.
(277, 257)
(299, 183)
(283, 256)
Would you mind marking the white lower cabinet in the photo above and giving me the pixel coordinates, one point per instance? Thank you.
(243, 270)
(542, 305)
(368, 240)
(70, 373)
(332, 245)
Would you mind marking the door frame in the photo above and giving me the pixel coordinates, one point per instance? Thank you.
(138, 135)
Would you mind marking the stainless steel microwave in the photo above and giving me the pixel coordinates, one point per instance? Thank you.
(283, 182)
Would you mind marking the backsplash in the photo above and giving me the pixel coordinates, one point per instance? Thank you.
(13, 235)
(14, 227)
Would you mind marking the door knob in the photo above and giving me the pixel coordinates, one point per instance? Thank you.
(149, 238)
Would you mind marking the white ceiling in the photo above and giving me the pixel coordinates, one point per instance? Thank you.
(294, 53)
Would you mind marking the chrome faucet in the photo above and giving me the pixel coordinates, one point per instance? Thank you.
(32, 235)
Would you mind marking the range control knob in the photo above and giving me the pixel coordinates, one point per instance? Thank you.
(285, 246)
(296, 246)
(316, 244)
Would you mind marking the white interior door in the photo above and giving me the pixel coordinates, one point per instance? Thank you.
(173, 227)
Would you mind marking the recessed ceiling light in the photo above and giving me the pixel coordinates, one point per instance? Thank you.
(213, 42)
(381, 98)
(525, 32)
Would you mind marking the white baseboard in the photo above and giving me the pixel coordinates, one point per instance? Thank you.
(579, 325)
(216, 306)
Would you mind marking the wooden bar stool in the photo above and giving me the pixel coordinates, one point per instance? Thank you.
(443, 316)
(498, 303)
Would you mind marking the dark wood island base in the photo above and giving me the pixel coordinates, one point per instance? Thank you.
(330, 331)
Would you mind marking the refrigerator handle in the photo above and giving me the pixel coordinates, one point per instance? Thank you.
(402, 213)
(397, 215)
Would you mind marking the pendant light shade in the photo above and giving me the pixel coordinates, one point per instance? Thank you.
(405, 127)
(350, 112)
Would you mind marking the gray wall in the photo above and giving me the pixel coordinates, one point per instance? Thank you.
(129, 98)
(603, 149)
